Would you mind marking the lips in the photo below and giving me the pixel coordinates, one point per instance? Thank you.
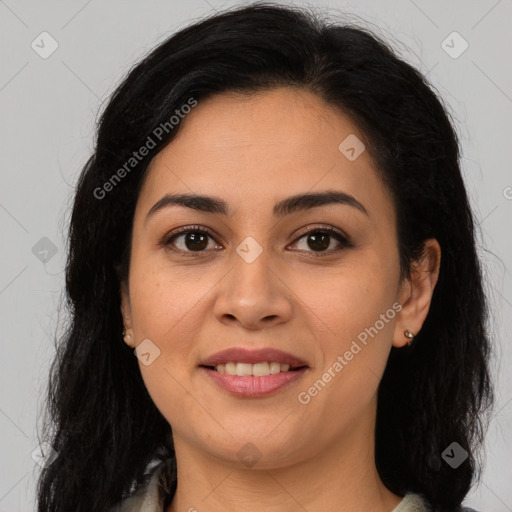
(242, 355)
(253, 373)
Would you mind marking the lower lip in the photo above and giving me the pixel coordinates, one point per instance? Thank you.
(253, 386)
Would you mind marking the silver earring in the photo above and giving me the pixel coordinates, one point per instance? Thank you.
(410, 335)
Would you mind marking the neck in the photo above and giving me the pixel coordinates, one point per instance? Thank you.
(342, 477)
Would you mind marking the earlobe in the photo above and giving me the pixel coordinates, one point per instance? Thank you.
(128, 338)
(417, 293)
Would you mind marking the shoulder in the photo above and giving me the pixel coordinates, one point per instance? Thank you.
(412, 503)
(417, 503)
(151, 496)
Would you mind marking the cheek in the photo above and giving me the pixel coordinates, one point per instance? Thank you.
(165, 306)
(355, 349)
(162, 297)
(352, 311)
(345, 301)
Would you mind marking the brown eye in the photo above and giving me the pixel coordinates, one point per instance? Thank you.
(195, 241)
(318, 240)
(188, 240)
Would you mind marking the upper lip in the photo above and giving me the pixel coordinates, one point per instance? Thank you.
(243, 355)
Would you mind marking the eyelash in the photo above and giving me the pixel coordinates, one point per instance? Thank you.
(328, 230)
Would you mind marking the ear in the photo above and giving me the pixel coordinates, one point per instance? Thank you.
(125, 306)
(415, 294)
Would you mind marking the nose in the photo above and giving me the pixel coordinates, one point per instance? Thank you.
(254, 295)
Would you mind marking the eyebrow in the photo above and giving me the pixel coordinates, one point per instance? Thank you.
(293, 204)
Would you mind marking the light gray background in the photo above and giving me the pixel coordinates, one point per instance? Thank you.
(48, 111)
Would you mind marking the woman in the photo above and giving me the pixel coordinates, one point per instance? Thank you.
(275, 223)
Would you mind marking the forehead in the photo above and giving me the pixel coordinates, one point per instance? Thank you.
(286, 118)
(272, 143)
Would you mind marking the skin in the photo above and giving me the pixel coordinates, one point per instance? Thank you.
(253, 151)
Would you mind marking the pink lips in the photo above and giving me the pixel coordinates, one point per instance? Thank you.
(251, 386)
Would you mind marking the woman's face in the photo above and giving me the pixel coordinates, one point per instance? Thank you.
(258, 281)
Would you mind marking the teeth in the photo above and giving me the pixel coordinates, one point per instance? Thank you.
(244, 369)
(275, 368)
(260, 369)
(247, 369)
